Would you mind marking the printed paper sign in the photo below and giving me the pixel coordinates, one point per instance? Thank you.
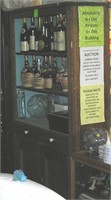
(91, 66)
(92, 104)
(91, 26)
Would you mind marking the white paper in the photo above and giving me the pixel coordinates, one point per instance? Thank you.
(91, 65)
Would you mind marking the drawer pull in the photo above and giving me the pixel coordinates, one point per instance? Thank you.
(26, 132)
(51, 140)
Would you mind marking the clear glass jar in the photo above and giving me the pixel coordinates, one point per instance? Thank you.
(36, 105)
(21, 107)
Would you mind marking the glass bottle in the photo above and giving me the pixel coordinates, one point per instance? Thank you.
(26, 74)
(49, 75)
(60, 33)
(50, 104)
(47, 35)
(43, 43)
(34, 64)
(59, 75)
(54, 65)
(46, 25)
(38, 33)
(32, 31)
(21, 107)
(38, 82)
(64, 81)
(54, 32)
(44, 68)
(24, 36)
(51, 33)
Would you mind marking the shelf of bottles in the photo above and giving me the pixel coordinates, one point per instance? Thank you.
(41, 65)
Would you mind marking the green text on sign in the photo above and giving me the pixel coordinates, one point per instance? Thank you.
(91, 26)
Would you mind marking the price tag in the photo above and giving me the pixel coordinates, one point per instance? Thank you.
(36, 13)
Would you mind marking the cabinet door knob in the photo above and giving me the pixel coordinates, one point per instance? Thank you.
(26, 132)
(51, 139)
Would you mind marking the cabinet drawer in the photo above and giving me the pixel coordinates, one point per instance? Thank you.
(55, 140)
(43, 137)
(25, 131)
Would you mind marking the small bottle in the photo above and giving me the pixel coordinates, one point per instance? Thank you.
(50, 104)
(107, 151)
(45, 65)
(48, 26)
(60, 33)
(43, 43)
(21, 104)
(51, 33)
(64, 81)
(32, 31)
(26, 74)
(24, 37)
(55, 67)
(59, 76)
(49, 75)
(38, 82)
(38, 33)
(54, 33)
(34, 64)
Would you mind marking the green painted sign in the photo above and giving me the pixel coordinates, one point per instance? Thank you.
(91, 26)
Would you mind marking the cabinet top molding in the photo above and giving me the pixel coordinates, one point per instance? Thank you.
(56, 5)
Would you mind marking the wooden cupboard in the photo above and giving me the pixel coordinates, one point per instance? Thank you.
(47, 156)
(43, 156)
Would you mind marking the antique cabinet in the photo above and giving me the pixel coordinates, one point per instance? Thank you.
(50, 156)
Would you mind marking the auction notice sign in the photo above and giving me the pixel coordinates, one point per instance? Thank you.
(91, 65)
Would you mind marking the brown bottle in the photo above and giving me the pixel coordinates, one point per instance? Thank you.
(49, 75)
(32, 31)
(24, 37)
(43, 42)
(38, 34)
(38, 81)
(60, 35)
(26, 74)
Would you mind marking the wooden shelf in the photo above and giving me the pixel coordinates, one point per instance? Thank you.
(41, 124)
(60, 93)
(91, 161)
(59, 54)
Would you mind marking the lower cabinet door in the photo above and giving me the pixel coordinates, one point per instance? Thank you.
(27, 158)
(54, 168)
(43, 162)
(30, 160)
(6, 165)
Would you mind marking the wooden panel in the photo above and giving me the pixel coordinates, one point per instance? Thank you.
(74, 85)
(89, 160)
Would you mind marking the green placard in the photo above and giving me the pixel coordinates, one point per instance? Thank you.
(36, 13)
(91, 26)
